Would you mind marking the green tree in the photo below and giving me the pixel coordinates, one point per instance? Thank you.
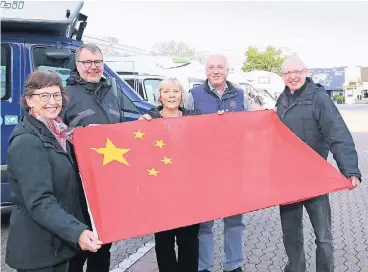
(268, 60)
(178, 49)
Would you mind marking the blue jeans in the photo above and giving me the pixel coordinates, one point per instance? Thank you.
(233, 245)
(319, 212)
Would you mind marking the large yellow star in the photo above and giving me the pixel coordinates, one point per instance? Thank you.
(167, 160)
(152, 172)
(160, 143)
(139, 134)
(112, 153)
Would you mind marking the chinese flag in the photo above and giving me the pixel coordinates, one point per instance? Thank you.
(143, 177)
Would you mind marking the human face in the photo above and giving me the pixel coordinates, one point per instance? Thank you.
(90, 65)
(171, 96)
(217, 71)
(294, 75)
(46, 101)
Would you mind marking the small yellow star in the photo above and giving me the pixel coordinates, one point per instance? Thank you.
(112, 153)
(167, 160)
(152, 172)
(160, 143)
(139, 134)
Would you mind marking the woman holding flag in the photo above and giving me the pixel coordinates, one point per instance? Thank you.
(171, 97)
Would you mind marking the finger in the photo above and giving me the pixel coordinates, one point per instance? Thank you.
(220, 112)
(91, 246)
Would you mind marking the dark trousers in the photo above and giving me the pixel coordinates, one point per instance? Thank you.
(187, 241)
(96, 262)
(62, 267)
(319, 212)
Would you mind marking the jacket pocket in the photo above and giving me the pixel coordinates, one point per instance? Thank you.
(56, 245)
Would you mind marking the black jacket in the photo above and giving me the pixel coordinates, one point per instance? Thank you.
(44, 229)
(90, 103)
(155, 112)
(313, 117)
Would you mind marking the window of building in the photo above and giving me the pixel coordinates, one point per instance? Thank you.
(5, 71)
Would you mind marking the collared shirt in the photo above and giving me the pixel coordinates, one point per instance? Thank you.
(213, 89)
(189, 104)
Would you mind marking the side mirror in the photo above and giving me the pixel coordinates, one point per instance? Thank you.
(58, 52)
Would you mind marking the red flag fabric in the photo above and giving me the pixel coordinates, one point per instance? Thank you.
(146, 176)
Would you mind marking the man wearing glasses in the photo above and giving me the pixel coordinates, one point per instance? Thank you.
(90, 102)
(306, 109)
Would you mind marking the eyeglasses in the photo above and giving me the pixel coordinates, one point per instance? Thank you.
(44, 97)
(88, 63)
(290, 73)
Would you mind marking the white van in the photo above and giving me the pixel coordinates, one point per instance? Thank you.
(145, 73)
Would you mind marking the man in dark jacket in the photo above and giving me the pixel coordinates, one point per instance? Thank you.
(309, 112)
(91, 101)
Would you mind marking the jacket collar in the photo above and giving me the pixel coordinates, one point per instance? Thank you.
(75, 78)
(230, 87)
(305, 92)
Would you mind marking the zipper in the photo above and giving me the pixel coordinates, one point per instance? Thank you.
(289, 108)
(99, 103)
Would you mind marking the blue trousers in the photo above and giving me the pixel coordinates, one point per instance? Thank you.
(233, 245)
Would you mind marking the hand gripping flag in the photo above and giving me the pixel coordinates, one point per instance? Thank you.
(143, 177)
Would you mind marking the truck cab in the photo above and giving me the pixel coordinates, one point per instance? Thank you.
(36, 40)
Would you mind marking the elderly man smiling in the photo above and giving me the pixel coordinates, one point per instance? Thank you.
(219, 95)
(306, 109)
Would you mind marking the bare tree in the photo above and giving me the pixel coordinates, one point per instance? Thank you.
(179, 49)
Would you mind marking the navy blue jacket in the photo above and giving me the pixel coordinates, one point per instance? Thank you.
(314, 118)
(205, 101)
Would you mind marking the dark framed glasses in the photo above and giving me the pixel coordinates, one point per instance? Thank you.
(44, 97)
(88, 63)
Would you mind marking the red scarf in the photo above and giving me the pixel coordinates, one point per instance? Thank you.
(57, 127)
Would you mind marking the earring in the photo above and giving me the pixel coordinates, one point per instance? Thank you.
(30, 110)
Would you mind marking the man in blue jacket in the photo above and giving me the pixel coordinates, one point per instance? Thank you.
(218, 94)
(306, 109)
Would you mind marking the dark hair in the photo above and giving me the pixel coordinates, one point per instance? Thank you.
(38, 80)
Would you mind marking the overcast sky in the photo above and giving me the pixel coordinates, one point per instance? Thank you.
(324, 34)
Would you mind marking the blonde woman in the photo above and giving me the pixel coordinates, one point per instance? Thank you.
(170, 97)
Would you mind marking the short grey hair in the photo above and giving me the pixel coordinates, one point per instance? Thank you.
(217, 55)
(293, 58)
(88, 46)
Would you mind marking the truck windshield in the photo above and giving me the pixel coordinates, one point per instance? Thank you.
(61, 67)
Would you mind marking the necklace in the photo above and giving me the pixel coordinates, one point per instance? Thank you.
(163, 115)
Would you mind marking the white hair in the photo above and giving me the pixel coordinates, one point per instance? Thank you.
(293, 58)
(218, 55)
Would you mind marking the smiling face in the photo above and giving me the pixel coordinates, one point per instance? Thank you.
(90, 65)
(46, 101)
(294, 74)
(170, 94)
(217, 70)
